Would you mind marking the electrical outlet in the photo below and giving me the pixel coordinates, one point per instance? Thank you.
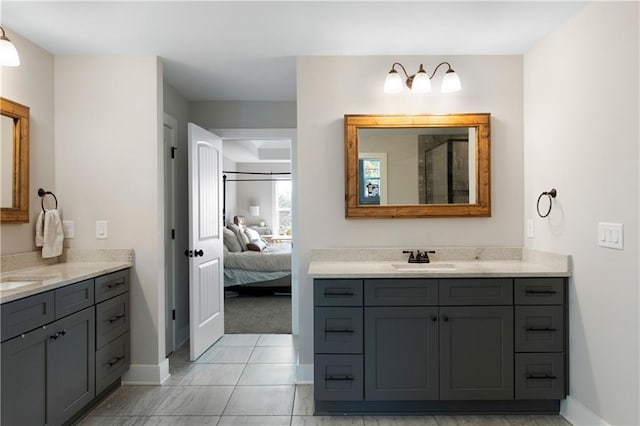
(68, 229)
(531, 232)
(101, 229)
(611, 235)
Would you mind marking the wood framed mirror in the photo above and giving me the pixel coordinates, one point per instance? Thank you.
(14, 162)
(417, 165)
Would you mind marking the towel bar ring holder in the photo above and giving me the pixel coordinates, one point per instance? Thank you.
(550, 194)
(42, 193)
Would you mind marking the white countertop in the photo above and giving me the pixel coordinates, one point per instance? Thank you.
(74, 269)
(471, 269)
(452, 263)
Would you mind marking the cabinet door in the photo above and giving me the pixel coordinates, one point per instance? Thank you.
(23, 379)
(401, 353)
(476, 352)
(70, 365)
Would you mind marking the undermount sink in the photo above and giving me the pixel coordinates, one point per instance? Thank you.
(423, 266)
(12, 285)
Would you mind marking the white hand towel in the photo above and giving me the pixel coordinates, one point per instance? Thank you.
(53, 236)
(40, 229)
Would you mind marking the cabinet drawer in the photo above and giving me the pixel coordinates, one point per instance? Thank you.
(112, 361)
(73, 298)
(400, 292)
(26, 314)
(539, 291)
(481, 291)
(110, 285)
(338, 330)
(539, 328)
(539, 376)
(338, 378)
(337, 292)
(112, 319)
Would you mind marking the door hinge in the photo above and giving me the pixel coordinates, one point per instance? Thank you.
(173, 234)
(173, 151)
(173, 314)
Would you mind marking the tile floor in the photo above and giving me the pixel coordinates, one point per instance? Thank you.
(249, 379)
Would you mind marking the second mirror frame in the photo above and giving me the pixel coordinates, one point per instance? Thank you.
(482, 206)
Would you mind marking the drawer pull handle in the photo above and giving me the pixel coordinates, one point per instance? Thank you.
(339, 378)
(539, 329)
(116, 318)
(343, 294)
(114, 361)
(434, 318)
(58, 334)
(345, 330)
(540, 377)
(445, 318)
(116, 284)
(540, 292)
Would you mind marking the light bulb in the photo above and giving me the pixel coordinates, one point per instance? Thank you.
(421, 82)
(8, 53)
(451, 82)
(393, 82)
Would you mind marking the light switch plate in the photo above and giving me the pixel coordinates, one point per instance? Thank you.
(101, 229)
(68, 229)
(611, 235)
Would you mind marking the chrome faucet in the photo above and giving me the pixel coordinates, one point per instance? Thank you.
(419, 257)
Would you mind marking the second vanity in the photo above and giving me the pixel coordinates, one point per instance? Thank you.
(475, 331)
(64, 331)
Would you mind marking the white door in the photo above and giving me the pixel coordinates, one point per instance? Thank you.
(206, 285)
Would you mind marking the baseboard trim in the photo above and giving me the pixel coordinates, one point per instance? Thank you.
(304, 374)
(579, 415)
(145, 374)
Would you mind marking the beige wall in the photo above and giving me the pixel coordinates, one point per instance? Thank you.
(243, 114)
(581, 137)
(109, 167)
(31, 84)
(328, 88)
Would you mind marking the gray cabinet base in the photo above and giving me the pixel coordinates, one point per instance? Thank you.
(436, 407)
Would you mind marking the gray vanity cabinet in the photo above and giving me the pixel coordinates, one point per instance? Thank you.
(70, 365)
(24, 369)
(476, 352)
(401, 353)
(410, 345)
(49, 349)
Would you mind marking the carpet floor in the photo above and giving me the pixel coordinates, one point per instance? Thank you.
(266, 314)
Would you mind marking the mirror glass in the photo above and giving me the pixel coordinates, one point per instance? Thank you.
(417, 165)
(14, 162)
(6, 161)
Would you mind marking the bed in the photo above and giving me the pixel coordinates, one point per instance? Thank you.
(250, 262)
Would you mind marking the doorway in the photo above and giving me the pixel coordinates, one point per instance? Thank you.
(251, 196)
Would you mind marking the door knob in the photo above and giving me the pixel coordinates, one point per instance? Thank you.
(198, 253)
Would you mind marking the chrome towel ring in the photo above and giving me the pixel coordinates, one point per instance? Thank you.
(42, 193)
(550, 194)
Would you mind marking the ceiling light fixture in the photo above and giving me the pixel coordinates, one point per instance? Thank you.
(8, 53)
(420, 82)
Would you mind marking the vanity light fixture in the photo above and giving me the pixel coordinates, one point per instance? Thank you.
(420, 82)
(8, 53)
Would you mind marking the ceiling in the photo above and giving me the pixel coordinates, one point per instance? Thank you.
(240, 50)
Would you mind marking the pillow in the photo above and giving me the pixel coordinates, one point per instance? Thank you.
(252, 234)
(231, 240)
(256, 245)
(240, 236)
